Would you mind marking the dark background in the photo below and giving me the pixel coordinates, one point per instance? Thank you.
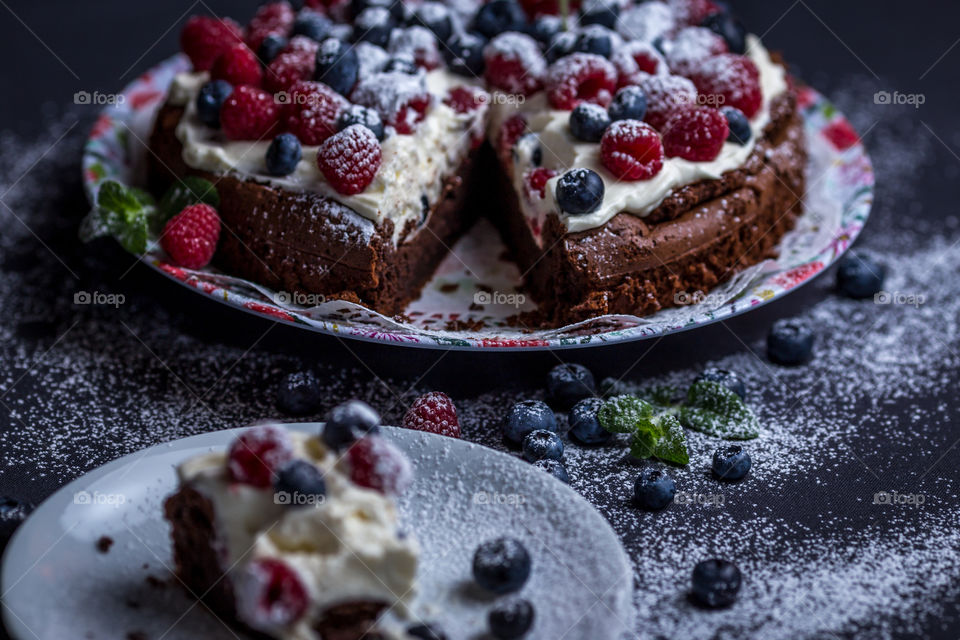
(51, 49)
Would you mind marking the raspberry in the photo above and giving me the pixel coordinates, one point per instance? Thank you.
(433, 412)
(190, 237)
(695, 133)
(514, 63)
(637, 56)
(249, 114)
(270, 595)
(401, 99)
(729, 80)
(693, 12)
(312, 111)
(690, 46)
(376, 464)
(666, 94)
(296, 62)
(510, 131)
(275, 18)
(204, 38)
(258, 454)
(350, 159)
(631, 150)
(536, 181)
(465, 99)
(238, 65)
(581, 77)
(410, 113)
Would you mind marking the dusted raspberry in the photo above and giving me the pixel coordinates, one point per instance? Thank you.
(350, 159)
(637, 56)
(581, 77)
(410, 114)
(238, 65)
(270, 595)
(433, 412)
(666, 94)
(249, 114)
(296, 62)
(514, 63)
(695, 133)
(275, 18)
(693, 12)
(257, 455)
(536, 181)
(376, 464)
(729, 80)
(631, 150)
(401, 99)
(190, 237)
(204, 38)
(465, 99)
(312, 111)
(417, 42)
(691, 46)
(510, 131)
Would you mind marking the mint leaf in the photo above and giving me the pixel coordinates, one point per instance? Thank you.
(717, 411)
(643, 443)
(672, 446)
(183, 193)
(623, 413)
(122, 212)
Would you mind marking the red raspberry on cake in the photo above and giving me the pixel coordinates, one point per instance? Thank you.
(270, 595)
(729, 80)
(464, 99)
(205, 38)
(249, 113)
(510, 131)
(514, 63)
(311, 111)
(350, 159)
(666, 94)
(238, 65)
(696, 134)
(581, 77)
(635, 57)
(401, 99)
(376, 464)
(536, 182)
(631, 150)
(693, 12)
(190, 237)
(257, 455)
(410, 114)
(298, 61)
(275, 18)
(433, 412)
(691, 46)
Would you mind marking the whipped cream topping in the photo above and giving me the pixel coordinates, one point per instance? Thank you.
(561, 151)
(347, 548)
(412, 167)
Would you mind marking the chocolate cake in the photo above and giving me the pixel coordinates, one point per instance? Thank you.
(637, 158)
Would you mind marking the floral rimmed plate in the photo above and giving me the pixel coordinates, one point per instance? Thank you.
(470, 289)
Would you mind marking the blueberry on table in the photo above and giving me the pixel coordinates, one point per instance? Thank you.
(716, 583)
(554, 468)
(569, 383)
(527, 416)
(731, 462)
(511, 619)
(542, 445)
(740, 131)
(588, 121)
(299, 393)
(13, 511)
(211, 97)
(501, 566)
(860, 276)
(299, 483)
(790, 342)
(654, 489)
(629, 103)
(729, 379)
(584, 425)
(580, 191)
(337, 65)
(283, 155)
(348, 422)
(464, 54)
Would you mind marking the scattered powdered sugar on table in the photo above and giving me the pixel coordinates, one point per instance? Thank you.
(845, 526)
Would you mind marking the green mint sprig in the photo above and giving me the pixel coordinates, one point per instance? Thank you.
(189, 191)
(715, 410)
(653, 434)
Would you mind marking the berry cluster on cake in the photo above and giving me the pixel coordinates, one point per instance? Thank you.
(629, 152)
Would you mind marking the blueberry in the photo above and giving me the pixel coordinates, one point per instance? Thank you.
(311, 24)
(542, 445)
(271, 47)
(300, 391)
(545, 27)
(13, 511)
(730, 462)
(498, 16)
(654, 489)
(436, 17)
(594, 39)
(426, 632)
(337, 65)
(299, 483)
(584, 426)
(725, 25)
(629, 103)
(604, 13)
(464, 54)
(790, 342)
(554, 468)
(373, 25)
(403, 63)
(211, 97)
(569, 383)
(501, 566)
(588, 121)
(283, 155)
(729, 379)
(740, 131)
(580, 191)
(358, 114)
(716, 583)
(561, 44)
(860, 276)
(527, 416)
(511, 619)
(348, 422)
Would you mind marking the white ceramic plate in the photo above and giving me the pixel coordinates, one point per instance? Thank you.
(57, 585)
